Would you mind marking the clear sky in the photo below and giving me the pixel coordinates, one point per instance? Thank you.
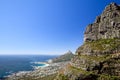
(46, 26)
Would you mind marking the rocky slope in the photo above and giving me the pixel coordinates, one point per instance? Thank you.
(99, 56)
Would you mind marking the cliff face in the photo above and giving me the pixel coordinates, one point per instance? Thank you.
(99, 56)
(106, 26)
(103, 36)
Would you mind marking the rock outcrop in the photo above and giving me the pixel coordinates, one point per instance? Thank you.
(103, 36)
(106, 26)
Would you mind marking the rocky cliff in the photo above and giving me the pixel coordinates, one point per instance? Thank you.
(106, 26)
(99, 56)
(103, 36)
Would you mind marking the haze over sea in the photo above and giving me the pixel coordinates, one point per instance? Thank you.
(14, 63)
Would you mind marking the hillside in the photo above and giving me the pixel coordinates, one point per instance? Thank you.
(99, 56)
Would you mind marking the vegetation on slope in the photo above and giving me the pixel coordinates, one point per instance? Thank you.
(100, 47)
(108, 68)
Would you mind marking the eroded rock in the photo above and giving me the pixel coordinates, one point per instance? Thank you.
(106, 26)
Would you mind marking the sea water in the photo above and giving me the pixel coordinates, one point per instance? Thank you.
(14, 63)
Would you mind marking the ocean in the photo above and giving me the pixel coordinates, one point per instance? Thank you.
(14, 63)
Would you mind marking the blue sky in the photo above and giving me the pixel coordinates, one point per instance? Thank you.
(50, 27)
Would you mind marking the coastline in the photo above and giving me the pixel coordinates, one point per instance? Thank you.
(40, 69)
(39, 72)
(20, 73)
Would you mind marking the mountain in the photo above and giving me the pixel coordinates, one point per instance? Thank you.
(66, 57)
(99, 56)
